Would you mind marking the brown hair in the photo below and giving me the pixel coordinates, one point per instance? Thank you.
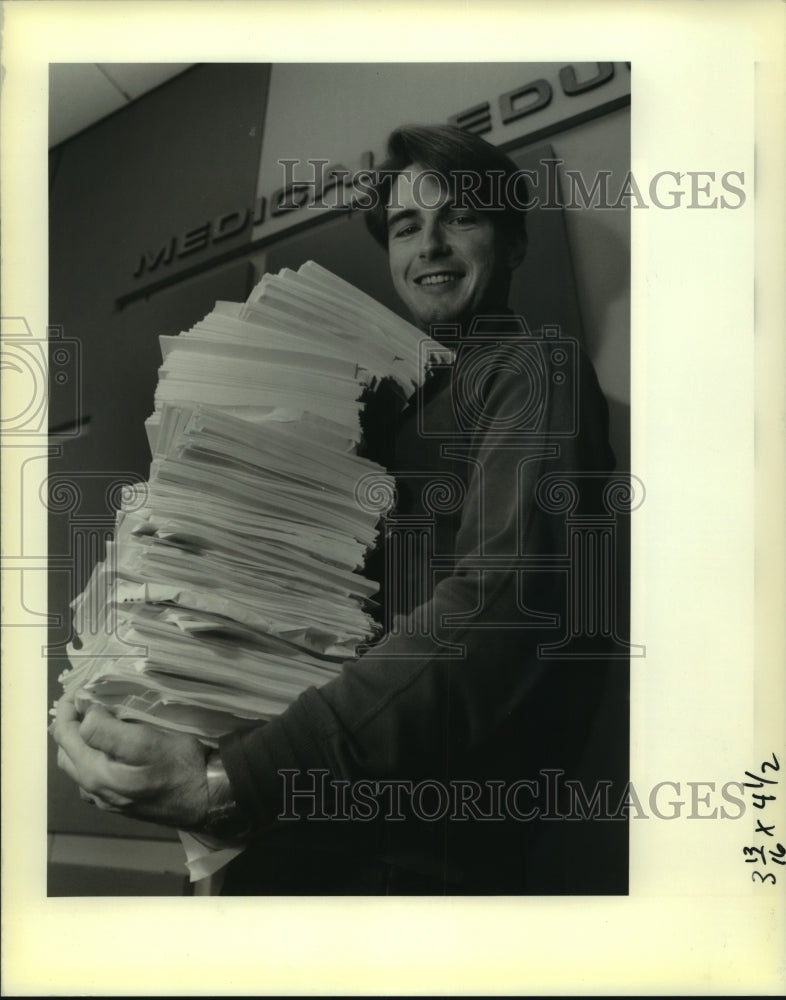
(450, 151)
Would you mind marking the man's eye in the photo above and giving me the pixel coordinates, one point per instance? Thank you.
(461, 220)
(404, 231)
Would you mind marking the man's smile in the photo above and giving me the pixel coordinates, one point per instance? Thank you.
(438, 278)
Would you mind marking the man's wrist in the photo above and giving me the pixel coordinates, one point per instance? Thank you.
(225, 819)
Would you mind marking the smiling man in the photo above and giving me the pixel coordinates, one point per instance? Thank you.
(430, 764)
(453, 241)
(448, 263)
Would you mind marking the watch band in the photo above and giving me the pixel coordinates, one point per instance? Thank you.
(225, 818)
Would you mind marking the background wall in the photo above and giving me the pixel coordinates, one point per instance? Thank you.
(155, 214)
(183, 153)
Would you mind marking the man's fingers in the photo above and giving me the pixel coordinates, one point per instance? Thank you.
(65, 728)
(65, 715)
(66, 732)
(86, 770)
(130, 767)
(95, 800)
(100, 735)
(65, 764)
(93, 770)
(105, 806)
(125, 741)
(93, 785)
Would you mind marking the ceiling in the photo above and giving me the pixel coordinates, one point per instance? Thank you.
(81, 94)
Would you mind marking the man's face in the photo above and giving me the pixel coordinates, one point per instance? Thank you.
(447, 265)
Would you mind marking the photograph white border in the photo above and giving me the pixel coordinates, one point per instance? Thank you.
(708, 584)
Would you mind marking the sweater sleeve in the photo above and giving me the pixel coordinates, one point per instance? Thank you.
(427, 697)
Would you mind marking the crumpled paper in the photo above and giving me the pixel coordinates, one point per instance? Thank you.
(206, 855)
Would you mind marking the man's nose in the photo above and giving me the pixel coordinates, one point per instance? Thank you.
(433, 242)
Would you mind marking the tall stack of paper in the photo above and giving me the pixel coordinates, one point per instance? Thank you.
(234, 581)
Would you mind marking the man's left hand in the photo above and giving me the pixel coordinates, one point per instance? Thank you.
(132, 768)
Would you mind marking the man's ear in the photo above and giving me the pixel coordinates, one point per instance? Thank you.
(516, 250)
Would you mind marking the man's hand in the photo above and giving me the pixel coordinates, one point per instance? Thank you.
(132, 768)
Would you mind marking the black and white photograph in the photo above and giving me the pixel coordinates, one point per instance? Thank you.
(441, 491)
(386, 564)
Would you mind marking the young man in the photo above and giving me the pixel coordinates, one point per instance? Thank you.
(430, 764)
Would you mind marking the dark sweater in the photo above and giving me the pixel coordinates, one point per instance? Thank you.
(456, 693)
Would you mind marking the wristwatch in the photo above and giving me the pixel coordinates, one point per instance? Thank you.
(225, 820)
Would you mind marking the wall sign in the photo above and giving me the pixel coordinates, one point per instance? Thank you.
(549, 98)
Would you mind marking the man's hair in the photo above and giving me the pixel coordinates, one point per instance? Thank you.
(450, 152)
